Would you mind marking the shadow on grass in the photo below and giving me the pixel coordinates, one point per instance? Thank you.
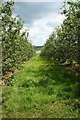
(49, 90)
(55, 75)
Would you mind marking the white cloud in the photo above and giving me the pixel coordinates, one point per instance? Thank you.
(41, 29)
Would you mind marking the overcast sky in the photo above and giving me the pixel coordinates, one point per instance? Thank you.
(40, 17)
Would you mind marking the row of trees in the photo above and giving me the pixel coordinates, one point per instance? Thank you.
(65, 43)
(16, 47)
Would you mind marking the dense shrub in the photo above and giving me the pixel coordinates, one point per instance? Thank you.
(65, 45)
(16, 47)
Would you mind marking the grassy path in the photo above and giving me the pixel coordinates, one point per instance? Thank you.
(42, 89)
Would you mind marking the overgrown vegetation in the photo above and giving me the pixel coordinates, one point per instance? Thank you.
(16, 47)
(64, 45)
(42, 89)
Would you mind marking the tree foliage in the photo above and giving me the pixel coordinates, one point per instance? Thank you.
(16, 47)
(66, 43)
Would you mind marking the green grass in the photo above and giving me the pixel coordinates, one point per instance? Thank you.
(42, 89)
(38, 52)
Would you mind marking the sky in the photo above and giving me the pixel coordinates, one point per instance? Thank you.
(40, 18)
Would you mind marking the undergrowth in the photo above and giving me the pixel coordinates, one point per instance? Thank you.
(42, 89)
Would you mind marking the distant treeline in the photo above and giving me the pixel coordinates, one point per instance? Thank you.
(38, 47)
